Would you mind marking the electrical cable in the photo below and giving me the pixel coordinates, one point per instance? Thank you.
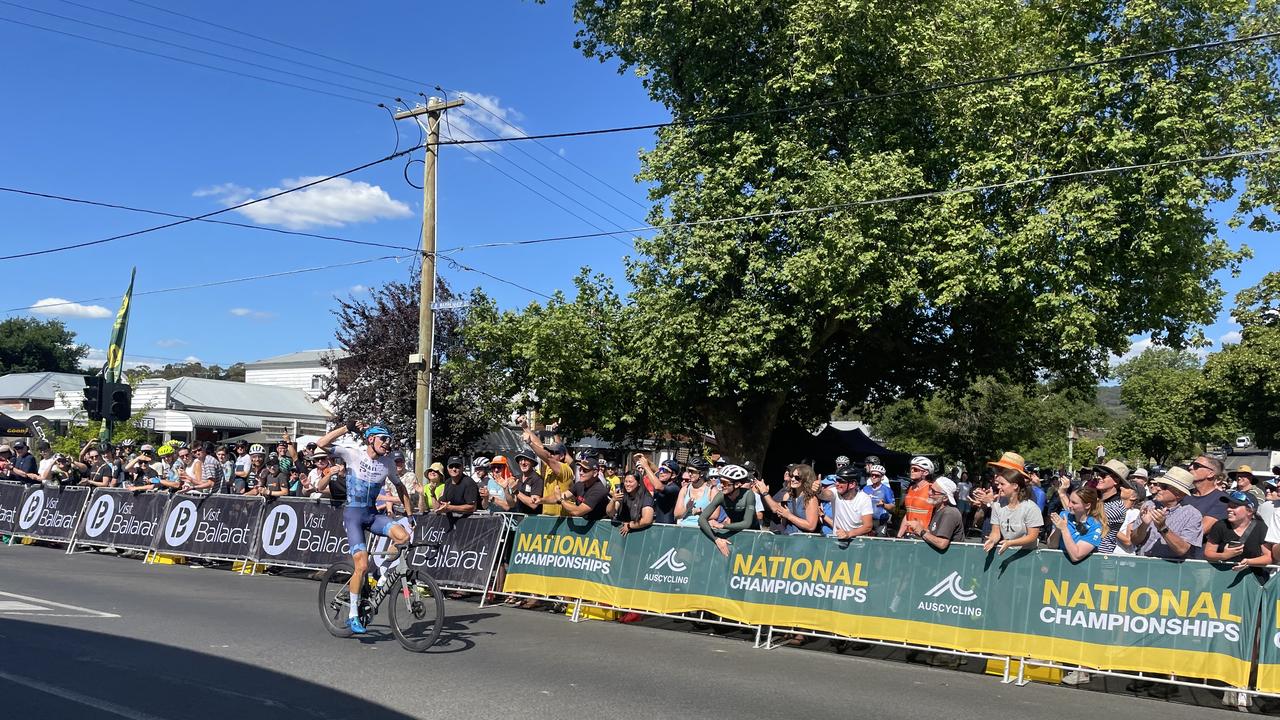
(161, 213)
(885, 200)
(184, 60)
(180, 46)
(196, 218)
(885, 96)
(614, 235)
(216, 283)
(394, 127)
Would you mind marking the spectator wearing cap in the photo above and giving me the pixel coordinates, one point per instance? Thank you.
(1244, 479)
(1241, 539)
(333, 478)
(1168, 527)
(696, 491)
(797, 507)
(1139, 478)
(498, 492)
(851, 512)
(25, 466)
(528, 483)
(1206, 496)
(882, 499)
(1109, 479)
(587, 497)
(46, 457)
(461, 496)
(320, 462)
(664, 482)
(1015, 519)
(242, 463)
(946, 524)
(1034, 484)
(917, 499)
(138, 474)
(557, 473)
(609, 475)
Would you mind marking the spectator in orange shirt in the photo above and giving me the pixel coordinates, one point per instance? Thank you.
(918, 500)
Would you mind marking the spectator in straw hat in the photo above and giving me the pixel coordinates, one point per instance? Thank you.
(1167, 526)
(1245, 482)
(1109, 479)
(1138, 479)
(1015, 519)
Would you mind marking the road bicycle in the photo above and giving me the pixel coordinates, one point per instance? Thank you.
(416, 611)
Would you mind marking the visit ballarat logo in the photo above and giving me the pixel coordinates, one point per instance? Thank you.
(949, 593)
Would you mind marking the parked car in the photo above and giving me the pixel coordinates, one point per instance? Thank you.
(1243, 441)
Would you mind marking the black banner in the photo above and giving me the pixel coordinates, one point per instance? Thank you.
(10, 500)
(215, 526)
(462, 551)
(121, 518)
(301, 532)
(50, 513)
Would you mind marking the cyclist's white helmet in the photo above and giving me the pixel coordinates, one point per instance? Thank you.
(257, 450)
(734, 473)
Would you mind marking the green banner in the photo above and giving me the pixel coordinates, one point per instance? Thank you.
(1109, 612)
(1269, 640)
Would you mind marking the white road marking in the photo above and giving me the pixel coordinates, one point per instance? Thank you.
(7, 605)
(73, 696)
(42, 604)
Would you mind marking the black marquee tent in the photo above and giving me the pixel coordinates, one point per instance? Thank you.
(792, 444)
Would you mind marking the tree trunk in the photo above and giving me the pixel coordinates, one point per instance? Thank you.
(742, 433)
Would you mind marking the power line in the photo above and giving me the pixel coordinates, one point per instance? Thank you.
(244, 48)
(273, 42)
(854, 100)
(248, 226)
(184, 60)
(196, 218)
(544, 146)
(180, 46)
(531, 189)
(886, 200)
(215, 283)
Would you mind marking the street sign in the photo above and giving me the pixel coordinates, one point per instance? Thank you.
(449, 304)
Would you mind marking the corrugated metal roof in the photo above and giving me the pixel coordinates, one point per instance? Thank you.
(304, 357)
(223, 420)
(204, 395)
(39, 386)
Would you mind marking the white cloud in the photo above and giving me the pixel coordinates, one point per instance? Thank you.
(66, 308)
(252, 314)
(191, 359)
(476, 123)
(334, 203)
(356, 289)
(1230, 338)
(171, 343)
(1135, 349)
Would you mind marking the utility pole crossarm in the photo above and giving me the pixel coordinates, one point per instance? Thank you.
(432, 106)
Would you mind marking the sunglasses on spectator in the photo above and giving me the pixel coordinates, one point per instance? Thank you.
(1199, 466)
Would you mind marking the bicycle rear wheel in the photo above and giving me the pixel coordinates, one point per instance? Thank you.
(416, 612)
(335, 598)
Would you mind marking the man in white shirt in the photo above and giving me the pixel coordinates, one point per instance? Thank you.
(850, 507)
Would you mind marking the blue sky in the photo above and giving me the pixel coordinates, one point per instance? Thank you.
(108, 124)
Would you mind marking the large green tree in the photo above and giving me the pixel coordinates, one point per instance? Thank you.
(737, 325)
(30, 345)
(1244, 378)
(1162, 389)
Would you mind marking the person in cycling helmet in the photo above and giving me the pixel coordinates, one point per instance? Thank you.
(738, 502)
(368, 467)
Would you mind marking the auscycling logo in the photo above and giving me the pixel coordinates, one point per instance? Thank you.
(670, 561)
(954, 586)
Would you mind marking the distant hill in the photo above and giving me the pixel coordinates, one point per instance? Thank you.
(1109, 398)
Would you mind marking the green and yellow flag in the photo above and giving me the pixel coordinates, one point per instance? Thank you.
(115, 351)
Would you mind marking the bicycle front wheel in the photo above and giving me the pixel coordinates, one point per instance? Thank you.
(335, 598)
(416, 612)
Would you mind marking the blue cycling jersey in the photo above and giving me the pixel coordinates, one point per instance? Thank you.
(366, 475)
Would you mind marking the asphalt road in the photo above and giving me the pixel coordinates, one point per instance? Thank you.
(98, 636)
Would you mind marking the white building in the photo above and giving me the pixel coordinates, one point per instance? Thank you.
(299, 370)
(201, 409)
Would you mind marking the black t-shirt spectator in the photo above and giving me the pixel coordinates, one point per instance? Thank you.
(1254, 537)
(464, 492)
(631, 506)
(1212, 505)
(104, 472)
(27, 464)
(596, 497)
(531, 486)
(338, 487)
(664, 503)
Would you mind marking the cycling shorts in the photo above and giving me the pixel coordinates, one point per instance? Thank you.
(358, 519)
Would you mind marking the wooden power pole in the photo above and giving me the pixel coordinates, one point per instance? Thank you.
(426, 316)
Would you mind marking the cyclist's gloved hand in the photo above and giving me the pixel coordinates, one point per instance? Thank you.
(353, 426)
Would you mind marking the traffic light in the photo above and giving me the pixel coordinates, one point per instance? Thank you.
(119, 401)
(93, 396)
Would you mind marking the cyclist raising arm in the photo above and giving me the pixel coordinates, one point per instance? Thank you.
(368, 467)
